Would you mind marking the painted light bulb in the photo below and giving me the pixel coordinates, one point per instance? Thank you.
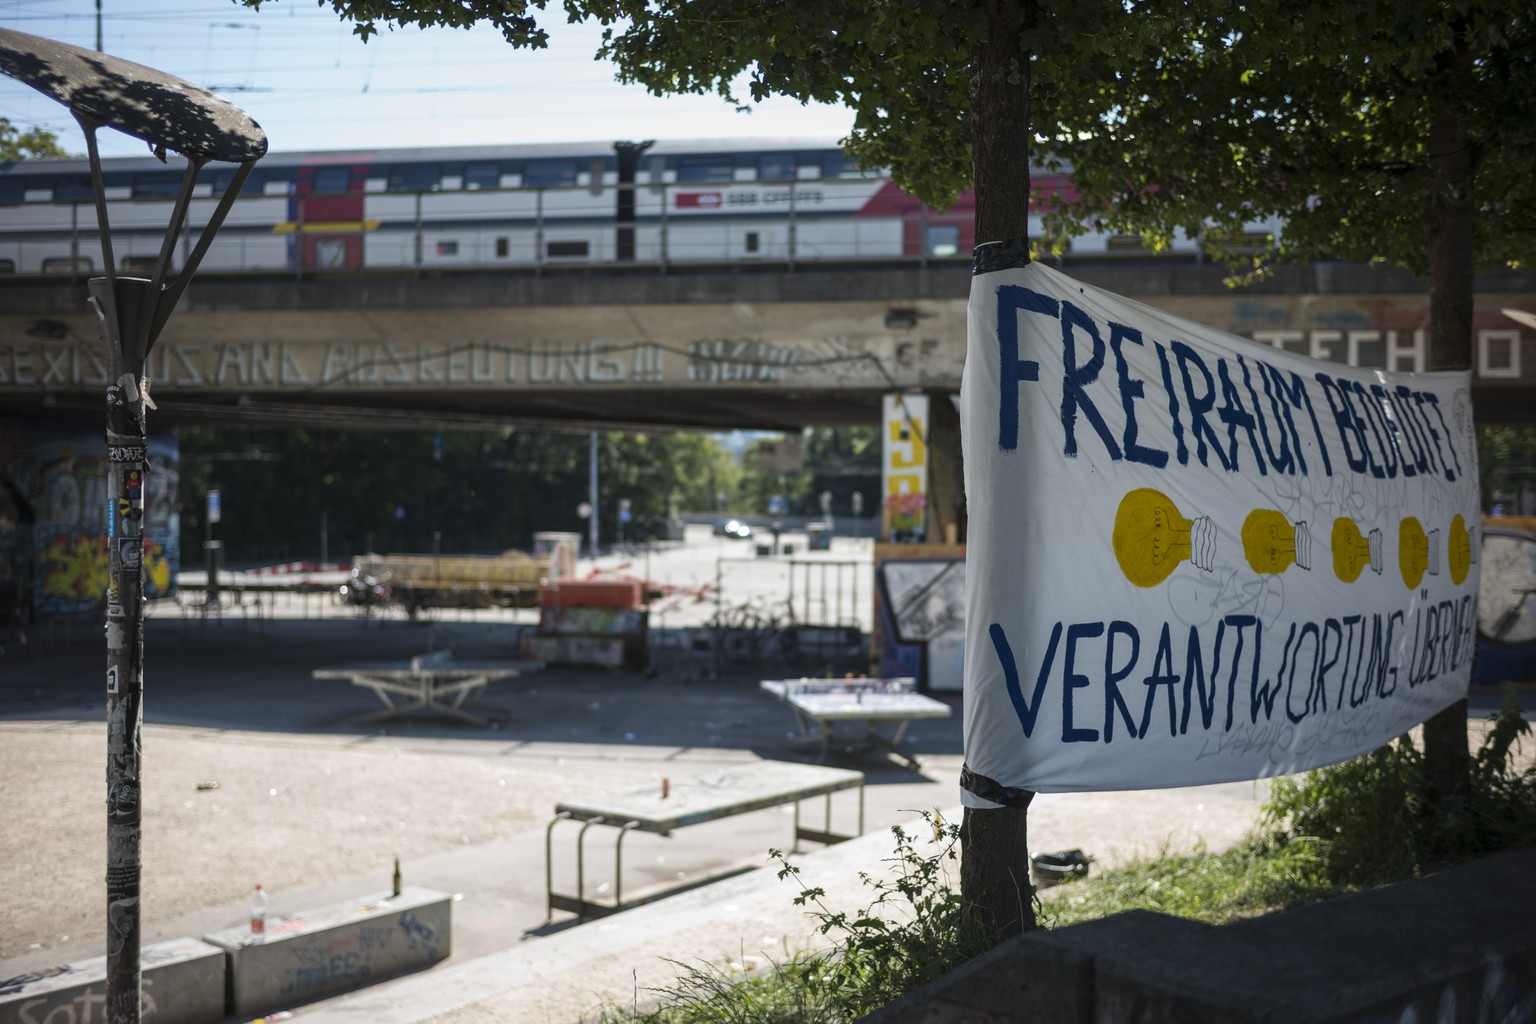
(1273, 543)
(1353, 551)
(1417, 552)
(1460, 548)
(1152, 537)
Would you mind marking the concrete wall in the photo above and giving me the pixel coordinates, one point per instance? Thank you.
(182, 983)
(1458, 946)
(335, 949)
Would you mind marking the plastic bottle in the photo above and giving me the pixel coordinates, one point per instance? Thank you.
(258, 911)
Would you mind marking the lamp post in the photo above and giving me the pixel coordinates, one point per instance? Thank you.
(171, 115)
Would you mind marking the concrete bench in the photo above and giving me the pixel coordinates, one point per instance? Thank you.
(303, 957)
(182, 983)
(679, 803)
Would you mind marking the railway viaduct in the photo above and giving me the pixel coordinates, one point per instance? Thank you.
(759, 347)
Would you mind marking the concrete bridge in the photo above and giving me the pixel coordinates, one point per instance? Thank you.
(768, 348)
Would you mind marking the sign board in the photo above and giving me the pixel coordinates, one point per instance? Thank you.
(782, 456)
(904, 465)
(1196, 559)
(214, 510)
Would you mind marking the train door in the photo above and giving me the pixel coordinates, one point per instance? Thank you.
(326, 210)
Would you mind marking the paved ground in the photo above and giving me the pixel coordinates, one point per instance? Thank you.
(254, 772)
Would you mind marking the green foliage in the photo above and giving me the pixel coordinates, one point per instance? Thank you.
(1254, 877)
(903, 68)
(1320, 114)
(1506, 459)
(481, 491)
(838, 460)
(1370, 822)
(34, 143)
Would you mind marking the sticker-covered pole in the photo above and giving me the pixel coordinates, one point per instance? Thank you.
(127, 463)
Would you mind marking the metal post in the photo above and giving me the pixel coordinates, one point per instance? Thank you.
(127, 462)
(592, 494)
(538, 248)
(791, 238)
(417, 261)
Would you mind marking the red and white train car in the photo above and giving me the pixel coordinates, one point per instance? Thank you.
(784, 201)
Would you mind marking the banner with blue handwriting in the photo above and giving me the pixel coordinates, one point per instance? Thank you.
(1193, 558)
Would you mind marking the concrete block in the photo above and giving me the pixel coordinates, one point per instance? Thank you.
(604, 652)
(182, 982)
(1026, 979)
(334, 949)
(1458, 945)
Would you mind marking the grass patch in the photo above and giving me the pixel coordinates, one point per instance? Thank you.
(1360, 823)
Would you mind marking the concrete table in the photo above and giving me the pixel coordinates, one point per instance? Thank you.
(692, 801)
(821, 705)
(433, 683)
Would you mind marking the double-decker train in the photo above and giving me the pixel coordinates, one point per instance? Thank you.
(441, 209)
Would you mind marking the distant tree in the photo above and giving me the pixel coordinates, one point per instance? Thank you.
(478, 491)
(33, 143)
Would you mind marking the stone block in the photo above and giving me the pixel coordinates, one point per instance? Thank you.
(182, 982)
(303, 957)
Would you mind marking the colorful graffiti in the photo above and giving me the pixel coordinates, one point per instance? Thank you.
(54, 519)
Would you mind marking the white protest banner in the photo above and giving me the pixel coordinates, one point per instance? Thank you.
(1193, 558)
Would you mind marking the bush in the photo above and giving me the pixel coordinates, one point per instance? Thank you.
(1370, 823)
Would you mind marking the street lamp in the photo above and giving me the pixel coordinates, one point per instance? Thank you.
(171, 115)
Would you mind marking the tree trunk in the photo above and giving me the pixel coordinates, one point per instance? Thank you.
(946, 473)
(994, 869)
(1451, 251)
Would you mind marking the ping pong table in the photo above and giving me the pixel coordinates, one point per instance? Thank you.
(432, 683)
(869, 705)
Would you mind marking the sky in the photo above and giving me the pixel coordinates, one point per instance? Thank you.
(298, 70)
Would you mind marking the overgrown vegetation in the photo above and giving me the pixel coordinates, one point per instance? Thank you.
(1338, 829)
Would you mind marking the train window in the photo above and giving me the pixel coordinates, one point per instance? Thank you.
(502, 248)
(1124, 243)
(7, 266)
(64, 265)
(448, 248)
(699, 169)
(413, 178)
(330, 252)
(156, 185)
(658, 172)
(776, 167)
(482, 174)
(568, 249)
(72, 188)
(333, 179)
(222, 179)
(751, 241)
(549, 173)
(12, 191)
(837, 165)
(942, 240)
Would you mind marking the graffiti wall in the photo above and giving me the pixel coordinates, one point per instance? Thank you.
(920, 614)
(53, 519)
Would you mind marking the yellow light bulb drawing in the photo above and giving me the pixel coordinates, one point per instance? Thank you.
(1417, 552)
(1460, 550)
(1273, 543)
(1353, 551)
(1152, 537)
